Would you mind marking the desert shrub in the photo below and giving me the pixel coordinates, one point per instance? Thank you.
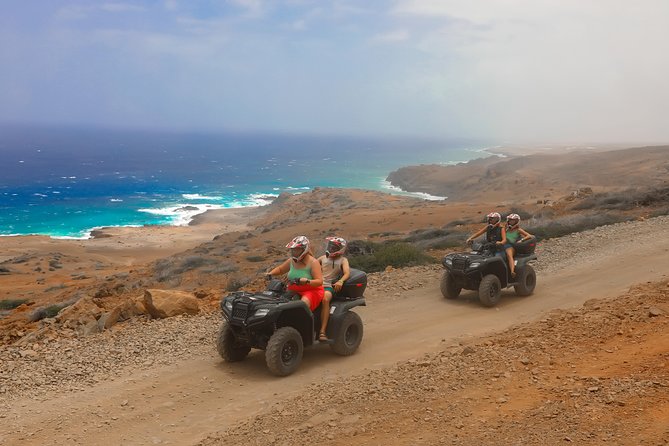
(60, 286)
(558, 227)
(660, 211)
(395, 254)
(523, 214)
(453, 223)
(221, 268)
(255, 258)
(450, 241)
(10, 304)
(425, 234)
(235, 283)
(166, 269)
(625, 200)
(193, 262)
(49, 311)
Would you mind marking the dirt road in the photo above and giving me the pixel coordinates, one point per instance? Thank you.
(183, 403)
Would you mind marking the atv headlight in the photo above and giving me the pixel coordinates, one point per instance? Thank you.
(228, 305)
(448, 262)
(475, 264)
(261, 312)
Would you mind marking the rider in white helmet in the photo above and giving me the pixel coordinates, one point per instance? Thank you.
(514, 234)
(494, 230)
(304, 272)
(335, 272)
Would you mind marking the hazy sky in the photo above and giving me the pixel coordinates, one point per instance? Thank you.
(515, 70)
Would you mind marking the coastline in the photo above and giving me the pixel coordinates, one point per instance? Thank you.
(133, 245)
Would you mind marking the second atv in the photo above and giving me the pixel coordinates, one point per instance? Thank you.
(484, 271)
(278, 322)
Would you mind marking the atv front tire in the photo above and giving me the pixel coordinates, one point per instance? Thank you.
(490, 290)
(228, 347)
(527, 281)
(284, 351)
(449, 289)
(349, 335)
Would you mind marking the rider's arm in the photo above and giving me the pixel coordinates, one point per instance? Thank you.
(479, 232)
(526, 235)
(281, 269)
(503, 241)
(346, 273)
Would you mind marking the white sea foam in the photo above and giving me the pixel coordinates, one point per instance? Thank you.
(115, 200)
(396, 190)
(200, 197)
(182, 214)
(262, 199)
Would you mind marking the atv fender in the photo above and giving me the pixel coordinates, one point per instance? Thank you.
(338, 310)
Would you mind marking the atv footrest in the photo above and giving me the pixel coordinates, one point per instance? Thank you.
(329, 342)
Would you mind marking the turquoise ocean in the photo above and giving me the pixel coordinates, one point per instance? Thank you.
(65, 181)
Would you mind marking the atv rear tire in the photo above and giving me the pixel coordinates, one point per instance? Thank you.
(227, 346)
(449, 289)
(349, 335)
(490, 290)
(284, 351)
(527, 280)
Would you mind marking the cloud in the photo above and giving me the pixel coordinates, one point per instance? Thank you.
(399, 35)
(121, 7)
(561, 69)
(253, 8)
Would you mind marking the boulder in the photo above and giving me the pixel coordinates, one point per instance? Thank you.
(167, 303)
(82, 312)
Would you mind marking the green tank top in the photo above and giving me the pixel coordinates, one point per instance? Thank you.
(512, 236)
(296, 273)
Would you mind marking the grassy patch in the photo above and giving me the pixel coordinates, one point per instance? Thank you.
(395, 254)
(10, 304)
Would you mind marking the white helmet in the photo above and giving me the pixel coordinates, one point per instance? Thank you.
(298, 242)
(335, 247)
(494, 218)
(512, 221)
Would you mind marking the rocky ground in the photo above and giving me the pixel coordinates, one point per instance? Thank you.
(597, 374)
(585, 376)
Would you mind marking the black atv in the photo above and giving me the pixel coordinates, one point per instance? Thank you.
(485, 270)
(277, 321)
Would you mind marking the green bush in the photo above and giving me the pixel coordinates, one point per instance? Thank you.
(395, 254)
(10, 304)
